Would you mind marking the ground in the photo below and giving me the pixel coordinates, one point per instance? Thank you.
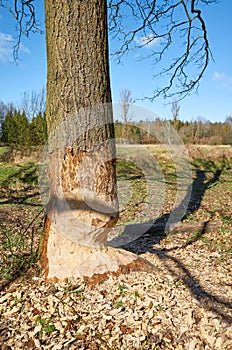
(184, 302)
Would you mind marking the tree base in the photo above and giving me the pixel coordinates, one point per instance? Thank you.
(65, 260)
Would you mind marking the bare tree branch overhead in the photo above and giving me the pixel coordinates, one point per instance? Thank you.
(172, 31)
(24, 13)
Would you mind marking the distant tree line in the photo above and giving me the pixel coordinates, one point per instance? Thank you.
(17, 130)
(199, 131)
(205, 132)
(191, 132)
(24, 126)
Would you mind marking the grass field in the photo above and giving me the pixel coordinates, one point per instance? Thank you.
(210, 201)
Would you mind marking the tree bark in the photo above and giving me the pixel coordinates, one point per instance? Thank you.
(82, 200)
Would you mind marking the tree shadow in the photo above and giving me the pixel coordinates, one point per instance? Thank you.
(26, 174)
(21, 197)
(201, 185)
(157, 232)
(197, 189)
(27, 177)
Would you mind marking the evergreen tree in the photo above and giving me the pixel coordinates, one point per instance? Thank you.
(22, 129)
(15, 129)
(3, 112)
(38, 129)
(8, 129)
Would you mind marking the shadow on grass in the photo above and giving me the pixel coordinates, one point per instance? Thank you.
(26, 174)
(20, 198)
(18, 184)
(146, 242)
(21, 216)
(19, 247)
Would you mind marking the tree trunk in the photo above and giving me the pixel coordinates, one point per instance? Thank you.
(82, 203)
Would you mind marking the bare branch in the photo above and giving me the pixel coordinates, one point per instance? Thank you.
(33, 103)
(24, 13)
(170, 29)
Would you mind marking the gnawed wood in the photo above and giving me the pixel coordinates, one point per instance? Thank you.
(70, 260)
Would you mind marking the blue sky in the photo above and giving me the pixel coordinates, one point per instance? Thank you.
(213, 101)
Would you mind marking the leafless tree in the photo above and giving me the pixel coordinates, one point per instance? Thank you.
(175, 110)
(33, 102)
(3, 112)
(126, 101)
(229, 120)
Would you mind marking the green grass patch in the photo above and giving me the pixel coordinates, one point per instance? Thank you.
(127, 169)
(13, 175)
(3, 151)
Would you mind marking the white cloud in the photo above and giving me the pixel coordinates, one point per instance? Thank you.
(6, 50)
(6, 47)
(148, 41)
(223, 78)
(24, 49)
